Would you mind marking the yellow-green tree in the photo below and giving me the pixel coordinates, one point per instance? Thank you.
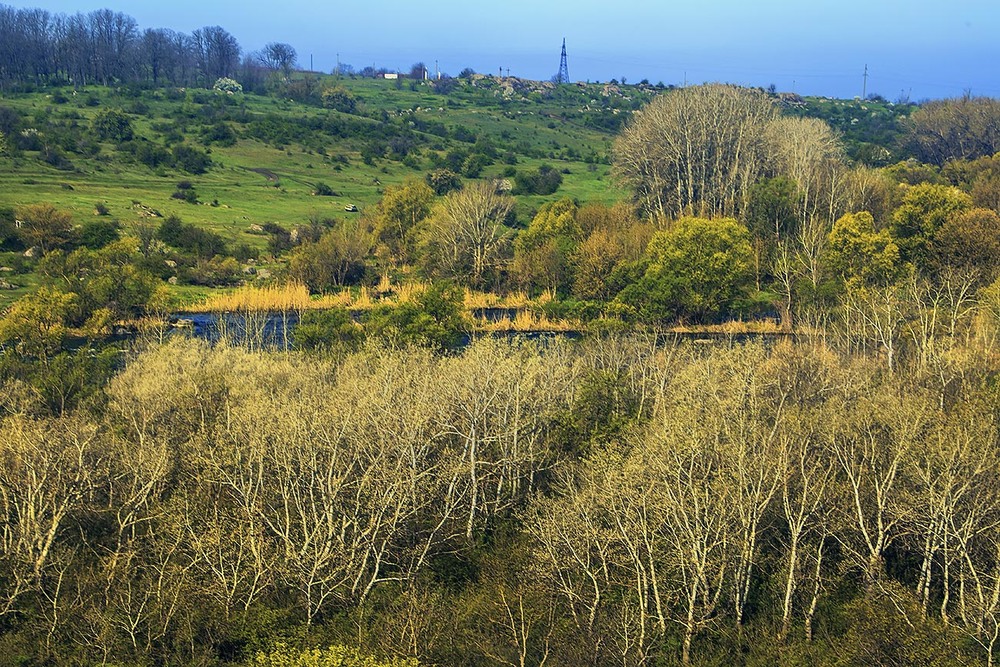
(44, 225)
(398, 213)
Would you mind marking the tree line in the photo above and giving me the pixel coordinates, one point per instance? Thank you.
(106, 47)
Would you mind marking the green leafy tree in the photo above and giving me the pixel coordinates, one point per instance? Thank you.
(332, 656)
(860, 255)
(35, 325)
(434, 319)
(339, 99)
(969, 241)
(443, 181)
(328, 329)
(924, 209)
(771, 210)
(697, 269)
(543, 251)
(107, 280)
(400, 210)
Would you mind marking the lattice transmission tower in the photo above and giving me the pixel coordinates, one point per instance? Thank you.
(563, 75)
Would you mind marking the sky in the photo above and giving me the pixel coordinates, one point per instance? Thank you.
(915, 49)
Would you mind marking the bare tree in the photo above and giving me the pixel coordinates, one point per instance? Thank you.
(279, 57)
(695, 151)
(466, 238)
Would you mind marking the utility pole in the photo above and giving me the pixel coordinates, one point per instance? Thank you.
(864, 86)
(310, 62)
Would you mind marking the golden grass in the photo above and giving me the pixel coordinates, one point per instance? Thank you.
(735, 327)
(407, 292)
(526, 321)
(476, 300)
(271, 298)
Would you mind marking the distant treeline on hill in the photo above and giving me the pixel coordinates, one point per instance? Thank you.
(107, 47)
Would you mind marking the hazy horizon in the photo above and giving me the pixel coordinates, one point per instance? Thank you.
(913, 49)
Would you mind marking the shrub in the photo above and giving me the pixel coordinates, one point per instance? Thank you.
(191, 159)
(339, 99)
(227, 85)
(326, 329)
(544, 181)
(321, 189)
(113, 125)
(189, 238)
(443, 181)
(434, 319)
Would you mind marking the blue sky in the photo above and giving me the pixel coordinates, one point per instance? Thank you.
(916, 48)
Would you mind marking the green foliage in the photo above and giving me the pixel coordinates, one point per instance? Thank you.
(969, 242)
(107, 278)
(604, 408)
(215, 271)
(99, 233)
(543, 181)
(35, 326)
(443, 181)
(113, 125)
(150, 154)
(434, 319)
(70, 379)
(924, 209)
(321, 189)
(190, 159)
(543, 251)
(879, 634)
(220, 133)
(339, 99)
(227, 85)
(8, 227)
(860, 255)
(697, 270)
(333, 656)
(400, 210)
(185, 192)
(771, 211)
(328, 329)
(190, 238)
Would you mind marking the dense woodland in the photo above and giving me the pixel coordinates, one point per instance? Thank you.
(808, 479)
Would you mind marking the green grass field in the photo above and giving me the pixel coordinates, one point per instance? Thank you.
(272, 179)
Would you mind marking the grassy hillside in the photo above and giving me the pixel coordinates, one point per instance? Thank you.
(269, 153)
(321, 145)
